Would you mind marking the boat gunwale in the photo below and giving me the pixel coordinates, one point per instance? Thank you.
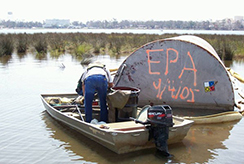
(184, 122)
(97, 127)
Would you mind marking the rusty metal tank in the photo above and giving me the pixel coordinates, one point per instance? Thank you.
(183, 72)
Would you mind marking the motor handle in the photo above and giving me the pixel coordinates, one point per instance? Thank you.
(138, 121)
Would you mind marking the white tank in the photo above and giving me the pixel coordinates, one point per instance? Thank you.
(183, 72)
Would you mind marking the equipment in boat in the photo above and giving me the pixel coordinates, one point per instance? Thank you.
(122, 102)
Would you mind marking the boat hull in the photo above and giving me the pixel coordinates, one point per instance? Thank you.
(122, 137)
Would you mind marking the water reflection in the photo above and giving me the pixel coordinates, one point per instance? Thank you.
(240, 62)
(21, 55)
(228, 63)
(202, 141)
(5, 59)
(55, 54)
(69, 138)
(231, 63)
(202, 144)
(41, 56)
(198, 147)
(83, 148)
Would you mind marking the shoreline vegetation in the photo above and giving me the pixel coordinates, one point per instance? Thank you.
(85, 45)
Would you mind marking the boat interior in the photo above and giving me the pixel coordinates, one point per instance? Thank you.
(123, 120)
(122, 125)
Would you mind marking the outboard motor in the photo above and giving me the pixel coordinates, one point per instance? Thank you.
(159, 118)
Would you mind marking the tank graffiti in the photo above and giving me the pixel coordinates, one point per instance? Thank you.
(191, 69)
(149, 61)
(171, 61)
(182, 92)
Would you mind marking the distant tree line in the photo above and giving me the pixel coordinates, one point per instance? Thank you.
(14, 24)
(225, 24)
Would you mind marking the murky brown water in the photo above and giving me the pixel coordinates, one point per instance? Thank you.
(29, 135)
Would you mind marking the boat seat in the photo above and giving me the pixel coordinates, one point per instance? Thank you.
(125, 126)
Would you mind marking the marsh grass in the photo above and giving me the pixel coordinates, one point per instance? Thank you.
(224, 47)
(22, 43)
(40, 43)
(6, 45)
(82, 49)
(56, 42)
(84, 45)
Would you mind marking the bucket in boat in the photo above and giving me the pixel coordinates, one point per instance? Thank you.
(130, 108)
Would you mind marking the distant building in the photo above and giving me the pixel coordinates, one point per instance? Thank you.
(238, 18)
(56, 23)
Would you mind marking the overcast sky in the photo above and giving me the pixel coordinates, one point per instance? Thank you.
(85, 10)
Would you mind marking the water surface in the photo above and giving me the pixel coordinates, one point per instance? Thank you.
(30, 135)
